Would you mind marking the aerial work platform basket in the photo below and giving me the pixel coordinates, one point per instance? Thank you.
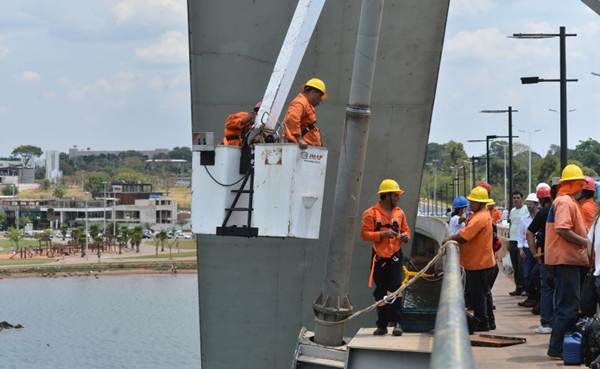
(281, 195)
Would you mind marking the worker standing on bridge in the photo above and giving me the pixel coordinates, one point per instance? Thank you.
(458, 216)
(477, 258)
(237, 125)
(566, 251)
(301, 118)
(536, 236)
(587, 202)
(385, 225)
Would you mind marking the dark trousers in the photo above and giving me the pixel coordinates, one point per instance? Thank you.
(479, 282)
(527, 263)
(388, 276)
(513, 249)
(535, 280)
(566, 304)
(546, 295)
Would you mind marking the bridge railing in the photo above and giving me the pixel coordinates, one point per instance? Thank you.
(451, 345)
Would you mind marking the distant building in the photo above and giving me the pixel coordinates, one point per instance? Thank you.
(12, 171)
(53, 172)
(75, 152)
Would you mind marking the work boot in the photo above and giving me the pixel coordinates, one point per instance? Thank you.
(481, 327)
(397, 330)
(536, 310)
(380, 331)
(516, 292)
(529, 303)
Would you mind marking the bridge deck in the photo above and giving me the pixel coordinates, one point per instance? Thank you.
(513, 320)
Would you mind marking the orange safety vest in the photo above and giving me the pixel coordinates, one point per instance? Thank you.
(236, 126)
(376, 219)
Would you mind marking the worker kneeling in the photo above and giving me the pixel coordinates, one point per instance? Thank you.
(385, 225)
(237, 126)
(477, 258)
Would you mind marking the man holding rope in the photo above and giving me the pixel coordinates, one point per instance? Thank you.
(385, 225)
(477, 258)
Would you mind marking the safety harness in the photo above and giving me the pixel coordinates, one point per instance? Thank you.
(378, 227)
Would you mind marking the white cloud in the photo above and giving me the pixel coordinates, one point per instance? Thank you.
(30, 76)
(3, 109)
(165, 12)
(470, 7)
(171, 47)
(118, 85)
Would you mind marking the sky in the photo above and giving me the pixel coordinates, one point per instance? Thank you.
(114, 74)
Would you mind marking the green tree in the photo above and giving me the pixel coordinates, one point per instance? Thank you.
(588, 153)
(79, 237)
(122, 238)
(549, 168)
(59, 192)
(3, 219)
(162, 237)
(27, 153)
(95, 184)
(10, 190)
(15, 236)
(23, 221)
(45, 184)
(136, 236)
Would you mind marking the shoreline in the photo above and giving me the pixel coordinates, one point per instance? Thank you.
(96, 270)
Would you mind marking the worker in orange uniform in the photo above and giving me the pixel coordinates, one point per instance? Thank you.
(477, 258)
(237, 125)
(385, 225)
(301, 118)
(565, 251)
(587, 202)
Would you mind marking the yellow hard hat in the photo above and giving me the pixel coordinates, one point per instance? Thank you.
(479, 194)
(389, 185)
(319, 85)
(571, 173)
(492, 202)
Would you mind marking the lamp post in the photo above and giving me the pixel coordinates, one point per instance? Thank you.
(529, 133)
(510, 136)
(434, 166)
(562, 35)
(487, 153)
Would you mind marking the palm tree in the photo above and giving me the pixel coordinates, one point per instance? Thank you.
(122, 238)
(136, 236)
(15, 235)
(79, 237)
(162, 237)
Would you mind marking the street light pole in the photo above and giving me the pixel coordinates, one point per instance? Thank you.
(510, 137)
(562, 35)
(529, 133)
(563, 98)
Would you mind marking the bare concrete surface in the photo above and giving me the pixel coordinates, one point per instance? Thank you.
(513, 320)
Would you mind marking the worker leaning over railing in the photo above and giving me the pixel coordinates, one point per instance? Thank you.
(477, 258)
(301, 118)
(385, 225)
(237, 125)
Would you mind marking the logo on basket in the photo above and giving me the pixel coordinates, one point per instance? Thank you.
(311, 157)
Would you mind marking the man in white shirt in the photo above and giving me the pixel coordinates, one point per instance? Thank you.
(527, 260)
(517, 212)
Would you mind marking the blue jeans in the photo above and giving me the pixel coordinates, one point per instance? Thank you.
(527, 264)
(597, 284)
(546, 295)
(566, 303)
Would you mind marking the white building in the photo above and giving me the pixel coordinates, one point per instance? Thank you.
(53, 172)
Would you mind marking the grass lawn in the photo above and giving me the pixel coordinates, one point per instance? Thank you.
(183, 197)
(164, 256)
(6, 245)
(25, 261)
(183, 244)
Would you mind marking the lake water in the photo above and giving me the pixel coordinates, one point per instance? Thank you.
(113, 322)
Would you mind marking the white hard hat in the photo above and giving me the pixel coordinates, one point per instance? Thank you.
(543, 184)
(532, 198)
